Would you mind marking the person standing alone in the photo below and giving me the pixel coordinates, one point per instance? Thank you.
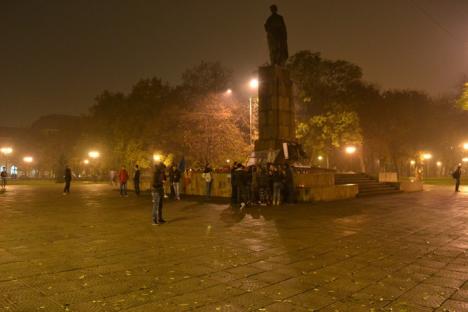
(457, 176)
(176, 182)
(157, 192)
(208, 177)
(4, 176)
(123, 178)
(136, 180)
(68, 178)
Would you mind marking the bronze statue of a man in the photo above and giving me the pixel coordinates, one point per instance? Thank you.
(277, 37)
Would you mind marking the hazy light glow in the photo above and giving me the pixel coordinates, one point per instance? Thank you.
(6, 150)
(439, 163)
(253, 83)
(94, 154)
(86, 161)
(465, 146)
(228, 161)
(427, 156)
(412, 162)
(28, 159)
(320, 158)
(157, 157)
(350, 149)
(228, 91)
(465, 159)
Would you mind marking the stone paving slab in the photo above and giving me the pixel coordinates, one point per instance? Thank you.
(96, 251)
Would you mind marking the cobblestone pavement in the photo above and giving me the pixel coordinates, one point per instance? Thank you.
(95, 251)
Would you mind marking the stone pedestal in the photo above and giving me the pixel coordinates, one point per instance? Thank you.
(276, 117)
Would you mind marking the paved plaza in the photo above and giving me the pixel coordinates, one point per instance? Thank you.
(95, 251)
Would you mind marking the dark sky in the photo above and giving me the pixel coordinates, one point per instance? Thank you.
(57, 55)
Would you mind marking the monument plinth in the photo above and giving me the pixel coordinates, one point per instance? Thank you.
(276, 112)
(276, 117)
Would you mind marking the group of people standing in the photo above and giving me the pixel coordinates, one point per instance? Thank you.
(270, 184)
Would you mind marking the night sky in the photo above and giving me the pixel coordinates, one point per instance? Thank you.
(56, 56)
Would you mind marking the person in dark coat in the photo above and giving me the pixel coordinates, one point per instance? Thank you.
(4, 176)
(176, 175)
(289, 184)
(68, 178)
(208, 177)
(457, 176)
(170, 174)
(157, 192)
(234, 183)
(278, 185)
(136, 180)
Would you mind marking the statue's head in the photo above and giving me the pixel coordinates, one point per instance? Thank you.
(273, 8)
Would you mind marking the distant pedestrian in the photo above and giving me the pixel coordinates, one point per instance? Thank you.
(290, 190)
(136, 180)
(157, 192)
(208, 177)
(457, 176)
(68, 178)
(263, 186)
(170, 173)
(176, 175)
(112, 177)
(278, 178)
(242, 177)
(4, 176)
(123, 178)
(233, 183)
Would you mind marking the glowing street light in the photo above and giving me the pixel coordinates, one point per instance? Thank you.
(228, 92)
(412, 162)
(253, 83)
(86, 161)
(439, 163)
(228, 161)
(465, 146)
(350, 150)
(320, 158)
(94, 154)
(465, 159)
(28, 159)
(6, 150)
(427, 156)
(157, 157)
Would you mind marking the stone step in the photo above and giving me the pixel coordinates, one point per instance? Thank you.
(375, 193)
(367, 185)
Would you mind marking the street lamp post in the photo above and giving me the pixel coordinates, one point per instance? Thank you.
(94, 155)
(350, 150)
(27, 160)
(254, 86)
(439, 168)
(427, 157)
(412, 167)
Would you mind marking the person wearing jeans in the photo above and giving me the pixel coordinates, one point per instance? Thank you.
(176, 182)
(208, 176)
(277, 186)
(157, 191)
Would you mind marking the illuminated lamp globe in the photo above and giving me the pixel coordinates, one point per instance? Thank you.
(350, 149)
